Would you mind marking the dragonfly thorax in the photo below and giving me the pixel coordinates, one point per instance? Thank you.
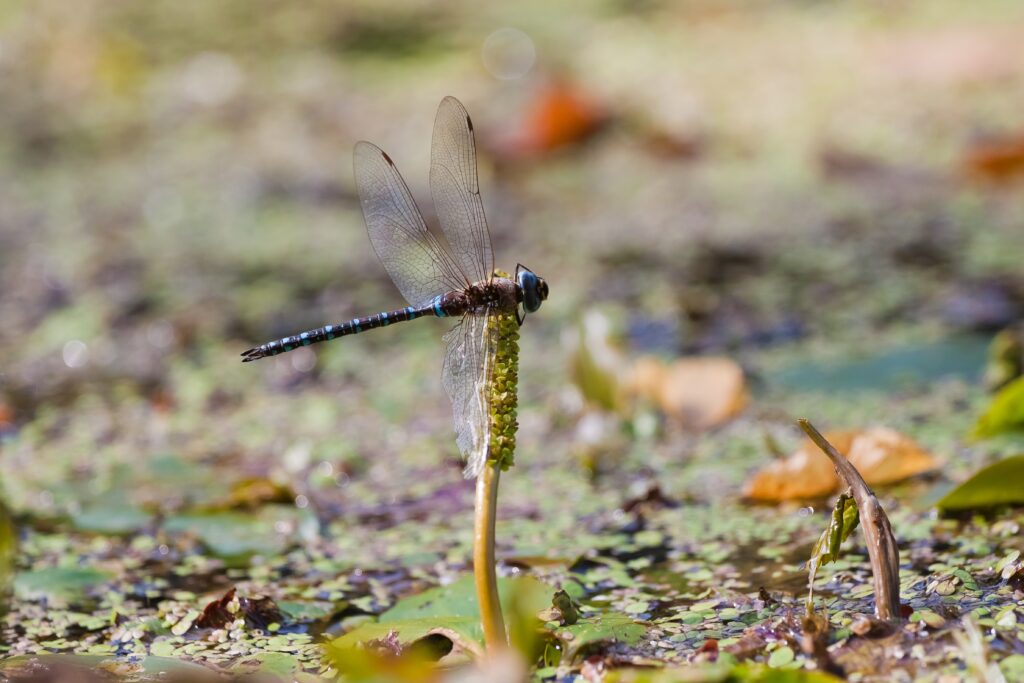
(498, 293)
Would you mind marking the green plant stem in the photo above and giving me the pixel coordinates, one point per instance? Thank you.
(484, 571)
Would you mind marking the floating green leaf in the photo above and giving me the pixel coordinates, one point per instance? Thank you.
(458, 599)
(448, 611)
(113, 518)
(236, 536)
(845, 519)
(997, 484)
(596, 629)
(465, 632)
(1004, 414)
(58, 585)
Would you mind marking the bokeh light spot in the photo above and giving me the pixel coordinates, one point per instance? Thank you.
(508, 54)
(76, 354)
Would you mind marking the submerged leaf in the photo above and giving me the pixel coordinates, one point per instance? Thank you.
(997, 484)
(1004, 414)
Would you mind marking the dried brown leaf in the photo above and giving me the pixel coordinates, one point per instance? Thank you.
(882, 455)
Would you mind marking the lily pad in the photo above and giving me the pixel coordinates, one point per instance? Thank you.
(458, 599)
(115, 519)
(465, 632)
(310, 610)
(997, 484)
(599, 628)
(237, 536)
(58, 585)
(451, 612)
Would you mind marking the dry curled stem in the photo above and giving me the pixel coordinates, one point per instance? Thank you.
(881, 543)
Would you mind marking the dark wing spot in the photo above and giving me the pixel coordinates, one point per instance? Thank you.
(386, 157)
(469, 122)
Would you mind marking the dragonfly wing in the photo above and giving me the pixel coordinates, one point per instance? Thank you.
(456, 190)
(415, 260)
(468, 363)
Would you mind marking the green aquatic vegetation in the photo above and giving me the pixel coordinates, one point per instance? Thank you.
(1004, 414)
(452, 612)
(60, 586)
(1001, 483)
(8, 549)
(842, 523)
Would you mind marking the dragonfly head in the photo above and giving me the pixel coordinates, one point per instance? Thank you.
(533, 287)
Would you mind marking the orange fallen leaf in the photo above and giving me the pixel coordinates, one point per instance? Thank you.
(882, 455)
(996, 160)
(559, 116)
(700, 392)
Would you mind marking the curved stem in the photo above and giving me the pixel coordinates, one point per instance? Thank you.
(878, 535)
(484, 571)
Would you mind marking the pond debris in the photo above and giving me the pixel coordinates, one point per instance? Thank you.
(814, 643)
(878, 535)
(971, 643)
(259, 613)
(698, 392)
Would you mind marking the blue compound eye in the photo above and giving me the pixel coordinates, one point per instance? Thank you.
(535, 290)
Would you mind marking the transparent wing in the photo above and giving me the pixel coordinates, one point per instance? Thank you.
(415, 260)
(456, 191)
(468, 363)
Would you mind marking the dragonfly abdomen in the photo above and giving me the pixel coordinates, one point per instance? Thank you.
(329, 332)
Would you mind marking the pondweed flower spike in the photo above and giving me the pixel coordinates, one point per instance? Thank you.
(503, 404)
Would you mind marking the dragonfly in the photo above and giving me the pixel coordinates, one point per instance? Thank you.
(452, 280)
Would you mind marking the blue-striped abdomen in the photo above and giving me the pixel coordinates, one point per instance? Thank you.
(328, 332)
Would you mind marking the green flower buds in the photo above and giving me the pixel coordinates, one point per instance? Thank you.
(504, 329)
